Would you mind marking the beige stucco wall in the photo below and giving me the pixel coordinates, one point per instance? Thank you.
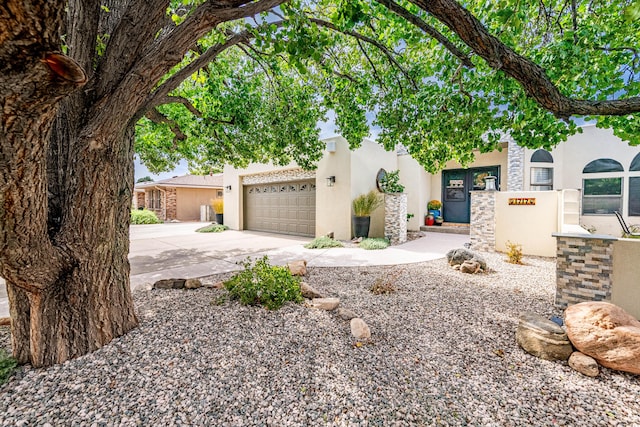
(531, 226)
(570, 158)
(189, 201)
(333, 204)
(625, 291)
(417, 185)
(366, 161)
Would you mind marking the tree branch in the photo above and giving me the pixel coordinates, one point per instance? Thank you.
(531, 76)
(373, 67)
(157, 117)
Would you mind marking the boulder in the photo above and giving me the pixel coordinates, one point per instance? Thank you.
(328, 304)
(542, 338)
(345, 313)
(470, 266)
(584, 364)
(605, 332)
(169, 284)
(309, 292)
(458, 256)
(359, 329)
(5, 321)
(192, 284)
(298, 268)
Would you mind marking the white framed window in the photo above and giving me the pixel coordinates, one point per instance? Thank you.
(601, 196)
(541, 179)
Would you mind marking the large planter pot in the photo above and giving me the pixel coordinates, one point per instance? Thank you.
(361, 226)
(219, 218)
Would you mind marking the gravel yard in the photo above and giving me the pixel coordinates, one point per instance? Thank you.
(443, 352)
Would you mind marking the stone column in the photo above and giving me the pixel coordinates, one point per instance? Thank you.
(482, 227)
(395, 217)
(515, 167)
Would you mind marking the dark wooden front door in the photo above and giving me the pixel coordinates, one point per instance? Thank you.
(456, 187)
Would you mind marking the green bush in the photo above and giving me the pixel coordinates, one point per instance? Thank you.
(264, 284)
(364, 204)
(212, 228)
(374, 243)
(390, 183)
(323, 242)
(144, 216)
(7, 366)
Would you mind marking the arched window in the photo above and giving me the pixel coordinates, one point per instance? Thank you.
(603, 165)
(635, 163)
(602, 195)
(634, 187)
(541, 177)
(541, 156)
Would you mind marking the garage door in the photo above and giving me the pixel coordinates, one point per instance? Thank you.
(283, 207)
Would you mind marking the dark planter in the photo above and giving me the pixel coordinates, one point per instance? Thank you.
(438, 221)
(219, 218)
(361, 226)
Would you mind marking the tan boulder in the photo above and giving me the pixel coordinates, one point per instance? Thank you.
(345, 313)
(584, 364)
(192, 284)
(328, 304)
(309, 292)
(298, 268)
(470, 266)
(359, 329)
(542, 338)
(605, 332)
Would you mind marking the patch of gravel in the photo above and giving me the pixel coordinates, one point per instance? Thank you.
(443, 352)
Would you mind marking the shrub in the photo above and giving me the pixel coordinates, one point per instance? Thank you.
(264, 284)
(218, 205)
(7, 366)
(374, 243)
(364, 204)
(514, 252)
(390, 183)
(144, 216)
(212, 228)
(434, 205)
(323, 242)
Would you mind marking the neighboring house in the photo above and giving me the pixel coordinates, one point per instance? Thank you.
(178, 198)
(313, 203)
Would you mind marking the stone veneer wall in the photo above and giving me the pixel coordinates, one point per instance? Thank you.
(515, 167)
(395, 217)
(171, 208)
(584, 268)
(482, 227)
(278, 176)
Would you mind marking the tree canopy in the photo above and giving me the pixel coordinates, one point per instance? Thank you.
(440, 79)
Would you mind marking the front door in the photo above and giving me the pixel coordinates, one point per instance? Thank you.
(456, 187)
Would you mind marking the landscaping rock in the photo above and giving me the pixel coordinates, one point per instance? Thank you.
(605, 332)
(345, 313)
(298, 268)
(309, 292)
(458, 256)
(542, 338)
(5, 321)
(584, 364)
(359, 329)
(169, 284)
(470, 266)
(192, 284)
(328, 304)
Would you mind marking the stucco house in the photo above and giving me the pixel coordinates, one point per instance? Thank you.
(179, 198)
(605, 170)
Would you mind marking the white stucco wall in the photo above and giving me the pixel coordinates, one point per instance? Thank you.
(417, 185)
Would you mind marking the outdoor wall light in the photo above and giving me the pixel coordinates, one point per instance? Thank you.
(331, 181)
(490, 183)
(228, 188)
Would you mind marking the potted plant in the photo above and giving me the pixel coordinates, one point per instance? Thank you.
(218, 208)
(434, 207)
(390, 183)
(363, 206)
(429, 219)
(438, 220)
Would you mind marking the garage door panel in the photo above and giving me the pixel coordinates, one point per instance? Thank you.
(286, 207)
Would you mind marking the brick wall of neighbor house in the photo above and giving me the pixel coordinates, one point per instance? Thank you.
(482, 231)
(584, 268)
(515, 167)
(171, 196)
(278, 176)
(395, 218)
(140, 200)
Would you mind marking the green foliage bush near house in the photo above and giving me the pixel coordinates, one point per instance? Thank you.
(144, 216)
(7, 366)
(390, 183)
(323, 243)
(364, 204)
(212, 228)
(264, 284)
(374, 243)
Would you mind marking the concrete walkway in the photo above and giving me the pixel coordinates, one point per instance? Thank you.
(176, 250)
